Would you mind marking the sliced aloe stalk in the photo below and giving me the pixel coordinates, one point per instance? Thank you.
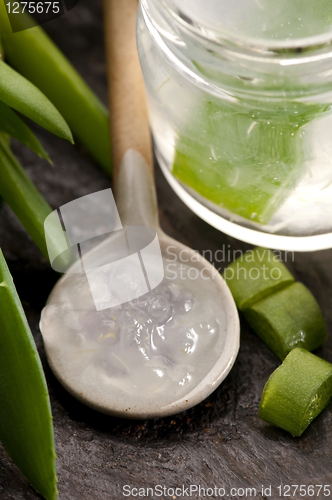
(26, 429)
(287, 319)
(297, 392)
(37, 58)
(11, 124)
(21, 95)
(255, 275)
(243, 159)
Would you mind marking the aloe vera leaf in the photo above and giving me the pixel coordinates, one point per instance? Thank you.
(27, 203)
(297, 391)
(244, 161)
(287, 319)
(11, 124)
(1, 57)
(26, 429)
(20, 94)
(255, 275)
(36, 57)
(1, 49)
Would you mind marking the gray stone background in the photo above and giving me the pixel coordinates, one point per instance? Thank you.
(221, 442)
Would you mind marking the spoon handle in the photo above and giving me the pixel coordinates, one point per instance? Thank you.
(128, 114)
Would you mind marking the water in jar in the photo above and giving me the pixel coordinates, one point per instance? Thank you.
(255, 150)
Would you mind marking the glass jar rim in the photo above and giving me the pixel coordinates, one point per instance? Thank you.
(282, 47)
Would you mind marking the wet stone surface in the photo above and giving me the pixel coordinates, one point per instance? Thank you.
(220, 442)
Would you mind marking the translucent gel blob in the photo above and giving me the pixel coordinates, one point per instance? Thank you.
(160, 345)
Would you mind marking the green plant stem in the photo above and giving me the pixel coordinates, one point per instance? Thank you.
(27, 203)
(11, 124)
(26, 429)
(2, 53)
(37, 58)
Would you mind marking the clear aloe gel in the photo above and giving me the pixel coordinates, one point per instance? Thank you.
(155, 348)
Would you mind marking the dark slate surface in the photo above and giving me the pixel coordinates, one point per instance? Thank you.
(221, 442)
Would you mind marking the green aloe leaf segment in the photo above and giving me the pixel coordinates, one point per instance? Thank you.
(287, 319)
(12, 125)
(255, 275)
(27, 203)
(21, 95)
(38, 59)
(284, 314)
(26, 428)
(297, 391)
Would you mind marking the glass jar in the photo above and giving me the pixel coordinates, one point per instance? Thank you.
(239, 96)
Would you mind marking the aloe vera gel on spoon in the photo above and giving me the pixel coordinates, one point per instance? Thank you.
(239, 98)
(141, 355)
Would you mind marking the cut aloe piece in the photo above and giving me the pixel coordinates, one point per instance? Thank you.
(287, 319)
(297, 391)
(255, 275)
(244, 160)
